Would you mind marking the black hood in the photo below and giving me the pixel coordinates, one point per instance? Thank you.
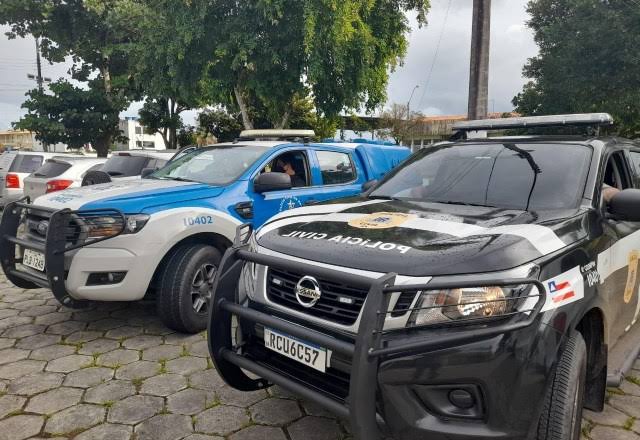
(421, 239)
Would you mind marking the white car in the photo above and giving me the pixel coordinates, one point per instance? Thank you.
(15, 165)
(60, 173)
(128, 165)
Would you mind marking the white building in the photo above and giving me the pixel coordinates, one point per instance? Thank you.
(137, 138)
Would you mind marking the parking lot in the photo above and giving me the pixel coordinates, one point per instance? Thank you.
(114, 372)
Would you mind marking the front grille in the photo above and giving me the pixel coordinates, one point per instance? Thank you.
(339, 303)
(32, 219)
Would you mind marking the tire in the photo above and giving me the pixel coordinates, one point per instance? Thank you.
(561, 417)
(185, 281)
(95, 177)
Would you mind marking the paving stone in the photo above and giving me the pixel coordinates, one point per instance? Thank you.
(105, 324)
(166, 352)
(221, 420)
(206, 380)
(182, 339)
(143, 319)
(313, 409)
(99, 346)
(164, 427)
(606, 433)
(66, 328)
(314, 428)
(231, 396)
(10, 404)
(157, 328)
(125, 331)
(200, 348)
(20, 427)
(207, 437)
(38, 341)
(163, 384)
(53, 318)
(91, 315)
(137, 370)
(54, 400)
(75, 418)
(630, 388)
(22, 331)
(20, 368)
(135, 409)
(186, 365)
(106, 432)
(5, 313)
(38, 311)
(627, 404)
(6, 343)
(117, 358)
(275, 411)
(9, 355)
(3, 387)
(610, 416)
(35, 383)
(110, 391)
(52, 352)
(278, 391)
(187, 402)
(82, 337)
(257, 432)
(142, 342)
(88, 377)
(13, 321)
(69, 363)
(28, 304)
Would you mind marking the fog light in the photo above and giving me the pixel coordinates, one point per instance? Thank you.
(105, 278)
(462, 399)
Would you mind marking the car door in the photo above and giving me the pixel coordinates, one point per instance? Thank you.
(618, 261)
(339, 174)
(270, 203)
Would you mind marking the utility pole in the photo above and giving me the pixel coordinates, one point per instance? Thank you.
(479, 69)
(409, 114)
(39, 79)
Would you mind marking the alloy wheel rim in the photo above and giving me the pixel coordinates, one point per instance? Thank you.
(202, 288)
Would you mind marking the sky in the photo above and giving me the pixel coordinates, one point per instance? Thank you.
(437, 62)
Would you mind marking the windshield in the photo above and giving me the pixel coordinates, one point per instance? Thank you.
(213, 166)
(26, 163)
(124, 166)
(512, 176)
(52, 168)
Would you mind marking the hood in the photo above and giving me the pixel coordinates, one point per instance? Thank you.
(129, 196)
(421, 239)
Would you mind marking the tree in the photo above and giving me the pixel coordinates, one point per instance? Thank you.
(162, 116)
(97, 34)
(187, 136)
(71, 115)
(220, 123)
(270, 51)
(397, 124)
(584, 63)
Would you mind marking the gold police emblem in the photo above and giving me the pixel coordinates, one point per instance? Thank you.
(380, 220)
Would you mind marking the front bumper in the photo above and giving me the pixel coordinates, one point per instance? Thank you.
(398, 363)
(64, 234)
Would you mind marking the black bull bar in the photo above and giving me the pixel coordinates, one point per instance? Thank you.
(366, 350)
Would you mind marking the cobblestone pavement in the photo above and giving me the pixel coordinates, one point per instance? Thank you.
(115, 372)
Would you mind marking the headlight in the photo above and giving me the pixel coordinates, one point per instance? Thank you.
(110, 226)
(468, 304)
(135, 222)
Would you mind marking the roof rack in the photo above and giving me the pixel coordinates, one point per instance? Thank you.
(588, 119)
(275, 134)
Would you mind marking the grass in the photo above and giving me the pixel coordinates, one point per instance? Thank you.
(634, 380)
(185, 351)
(108, 403)
(163, 366)
(628, 424)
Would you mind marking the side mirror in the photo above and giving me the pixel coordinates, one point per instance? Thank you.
(146, 171)
(625, 205)
(369, 184)
(272, 182)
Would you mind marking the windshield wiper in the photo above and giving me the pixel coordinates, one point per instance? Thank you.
(384, 198)
(450, 202)
(115, 173)
(179, 179)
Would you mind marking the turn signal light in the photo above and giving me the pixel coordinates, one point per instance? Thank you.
(12, 181)
(57, 185)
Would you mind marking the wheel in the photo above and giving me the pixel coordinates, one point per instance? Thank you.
(561, 418)
(186, 284)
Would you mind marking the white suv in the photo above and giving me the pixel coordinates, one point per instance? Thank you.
(60, 173)
(128, 165)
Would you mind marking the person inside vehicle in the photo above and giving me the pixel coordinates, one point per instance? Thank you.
(284, 165)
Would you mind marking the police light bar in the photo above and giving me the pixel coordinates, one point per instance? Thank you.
(276, 133)
(593, 119)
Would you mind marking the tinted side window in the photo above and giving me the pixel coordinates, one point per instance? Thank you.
(635, 164)
(124, 166)
(52, 169)
(26, 163)
(335, 167)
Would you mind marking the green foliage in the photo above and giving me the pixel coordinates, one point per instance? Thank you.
(71, 115)
(397, 124)
(162, 116)
(585, 62)
(220, 123)
(187, 136)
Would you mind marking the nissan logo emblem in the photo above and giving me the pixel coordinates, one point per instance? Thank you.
(308, 291)
(42, 227)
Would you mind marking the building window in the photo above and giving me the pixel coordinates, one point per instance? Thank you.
(138, 144)
(149, 144)
(138, 130)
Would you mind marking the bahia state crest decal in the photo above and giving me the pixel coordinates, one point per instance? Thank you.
(381, 220)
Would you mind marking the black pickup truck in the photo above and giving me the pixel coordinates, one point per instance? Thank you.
(486, 289)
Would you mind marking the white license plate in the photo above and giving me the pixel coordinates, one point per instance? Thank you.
(304, 352)
(33, 259)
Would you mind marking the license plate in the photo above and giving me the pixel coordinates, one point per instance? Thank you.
(33, 259)
(304, 352)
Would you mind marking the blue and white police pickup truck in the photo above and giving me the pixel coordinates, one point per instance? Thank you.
(166, 233)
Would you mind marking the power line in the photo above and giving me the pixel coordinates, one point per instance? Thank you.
(435, 55)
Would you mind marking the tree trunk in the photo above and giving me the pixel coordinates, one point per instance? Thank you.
(284, 120)
(246, 119)
(102, 145)
(172, 127)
